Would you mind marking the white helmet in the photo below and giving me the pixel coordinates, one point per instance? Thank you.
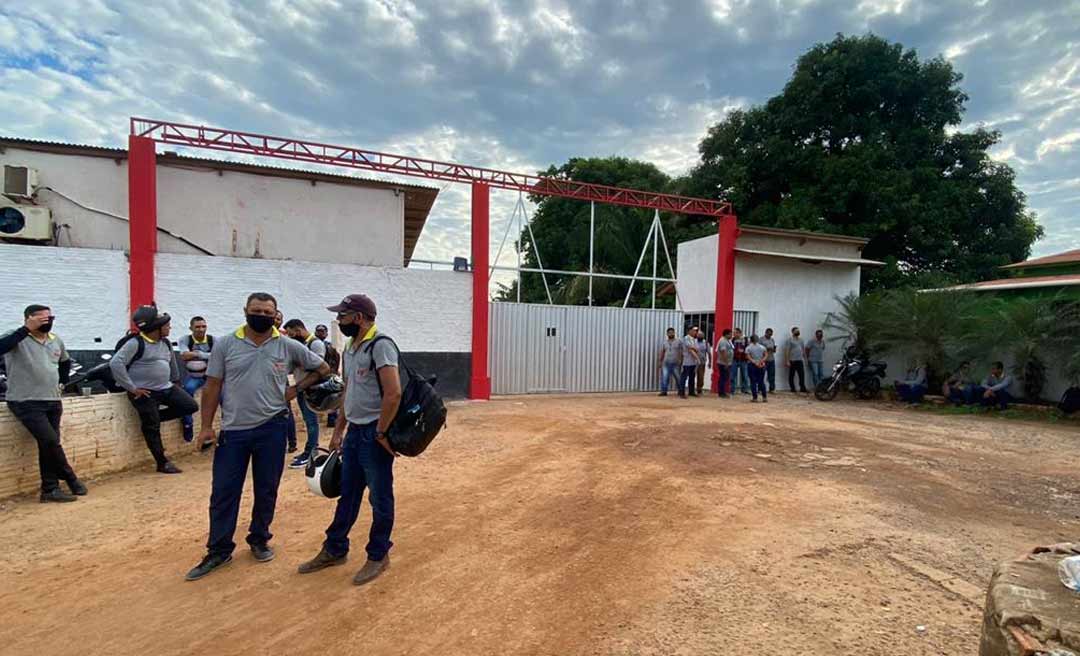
(323, 473)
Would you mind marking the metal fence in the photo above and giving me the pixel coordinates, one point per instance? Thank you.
(560, 348)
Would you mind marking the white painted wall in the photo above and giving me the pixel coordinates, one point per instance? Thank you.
(273, 218)
(86, 288)
(784, 292)
(88, 291)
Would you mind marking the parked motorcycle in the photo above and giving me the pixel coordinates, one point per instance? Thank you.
(98, 373)
(853, 372)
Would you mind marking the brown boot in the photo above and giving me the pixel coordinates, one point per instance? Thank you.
(322, 561)
(371, 570)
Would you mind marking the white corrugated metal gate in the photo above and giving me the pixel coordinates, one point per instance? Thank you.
(560, 348)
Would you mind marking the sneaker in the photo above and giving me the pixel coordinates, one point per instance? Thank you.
(322, 561)
(300, 461)
(189, 433)
(207, 565)
(78, 488)
(262, 552)
(371, 571)
(57, 496)
(168, 468)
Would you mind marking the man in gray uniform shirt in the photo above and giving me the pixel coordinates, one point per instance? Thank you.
(37, 363)
(248, 377)
(146, 367)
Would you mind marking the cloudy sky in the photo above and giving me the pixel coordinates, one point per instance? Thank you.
(521, 85)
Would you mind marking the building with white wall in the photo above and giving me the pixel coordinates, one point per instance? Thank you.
(783, 278)
(226, 229)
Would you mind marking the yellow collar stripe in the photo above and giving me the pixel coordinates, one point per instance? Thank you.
(369, 334)
(148, 340)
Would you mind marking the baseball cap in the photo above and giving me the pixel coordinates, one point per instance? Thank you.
(355, 303)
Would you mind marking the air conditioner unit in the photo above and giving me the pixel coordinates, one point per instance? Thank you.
(32, 222)
(20, 181)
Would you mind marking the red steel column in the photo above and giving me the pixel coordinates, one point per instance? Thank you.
(725, 282)
(142, 219)
(480, 384)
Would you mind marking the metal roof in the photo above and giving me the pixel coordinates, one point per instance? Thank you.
(803, 234)
(811, 257)
(1065, 280)
(1068, 257)
(418, 198)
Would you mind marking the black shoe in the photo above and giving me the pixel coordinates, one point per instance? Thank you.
(207, 565)
(300, 461)
(57, 496)
(77, 488)
(322, 561)
(662, 394)
(262, 552)
(189, 433)
(682, 396)
(168, 468)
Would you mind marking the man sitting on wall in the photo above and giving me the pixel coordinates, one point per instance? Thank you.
(146, 368)
(195, 353)
(913, 388)
(995, 389)
(958, 387)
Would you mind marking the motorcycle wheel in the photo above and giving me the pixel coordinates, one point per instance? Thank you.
(870, 389)
(827, 389)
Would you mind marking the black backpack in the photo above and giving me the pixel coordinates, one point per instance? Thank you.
(421, 414)
(1070, 401)
(104, 373)
(190, 344)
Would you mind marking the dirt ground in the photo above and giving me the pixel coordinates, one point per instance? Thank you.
(578, 525)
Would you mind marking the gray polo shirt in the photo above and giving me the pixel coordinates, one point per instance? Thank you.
(702, 351)
(770, 345)
(795, 348)
(363, 403)
(756, 352)
(156, 370)
(815, 350)
(316, 346)
(33, 369)
(672, 351)
(254, 378)
(690, 356)
(725, 351)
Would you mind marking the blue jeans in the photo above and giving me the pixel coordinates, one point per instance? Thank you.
(757, 381)
(770, 374)
(686, 381)
(364, 464)
(264, 447)
(668, 371)
(1001, 398)
(910, 393)
(311, 420)
(962, 395)
(725, 373)
(740, 380)
(816, 375)
(191, 385)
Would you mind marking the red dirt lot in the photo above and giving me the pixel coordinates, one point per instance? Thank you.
(603, 524)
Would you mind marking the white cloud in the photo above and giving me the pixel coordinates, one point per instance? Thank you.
(1061, 143)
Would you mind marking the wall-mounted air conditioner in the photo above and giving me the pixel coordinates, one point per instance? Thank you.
(25, 221)
(20, 181)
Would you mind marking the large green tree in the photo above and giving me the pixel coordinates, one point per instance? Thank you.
(561, 227)
(863, 141)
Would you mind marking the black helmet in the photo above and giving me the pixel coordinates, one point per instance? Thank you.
(323, 473)
(147, 318)
(325, 396)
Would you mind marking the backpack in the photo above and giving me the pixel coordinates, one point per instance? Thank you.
(191, 343)
(421, 414)
(104, 373)
(332, 357)
(1070, 401)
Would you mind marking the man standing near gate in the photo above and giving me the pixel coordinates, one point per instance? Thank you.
(704, 359)
(690, 362)
(770, 360)
(794, 355)
(372, 396)
(671, 358)
(248, 377)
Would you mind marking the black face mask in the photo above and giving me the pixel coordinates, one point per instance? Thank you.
(47, 326)
(350, 329)
(260, 323)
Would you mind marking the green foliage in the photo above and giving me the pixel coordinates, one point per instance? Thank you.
(854, 323)
(857, 144)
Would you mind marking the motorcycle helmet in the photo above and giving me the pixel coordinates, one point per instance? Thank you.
(147, 318)
(325, 396)
(323, 473)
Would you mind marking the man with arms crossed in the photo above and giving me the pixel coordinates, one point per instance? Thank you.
(248, 377)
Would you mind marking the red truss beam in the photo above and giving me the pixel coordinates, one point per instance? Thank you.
(196, 136)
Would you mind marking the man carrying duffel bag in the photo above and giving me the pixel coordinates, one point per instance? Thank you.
(373, 421)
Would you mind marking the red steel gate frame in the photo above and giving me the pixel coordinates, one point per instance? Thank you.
(142, 209)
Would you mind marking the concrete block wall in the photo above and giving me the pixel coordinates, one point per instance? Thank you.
(100, 435)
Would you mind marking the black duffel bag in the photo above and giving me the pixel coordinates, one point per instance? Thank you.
(421, 414)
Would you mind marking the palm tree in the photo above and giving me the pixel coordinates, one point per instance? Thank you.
(854, 321)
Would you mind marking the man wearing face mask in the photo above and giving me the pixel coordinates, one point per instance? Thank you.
(248, 376)
(146, 367)
(296, 329)
(37, 363)
(794, 356)
(372, 396)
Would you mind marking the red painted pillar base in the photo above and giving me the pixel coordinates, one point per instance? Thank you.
(725, 283)
(480, 382)
(142, 219)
